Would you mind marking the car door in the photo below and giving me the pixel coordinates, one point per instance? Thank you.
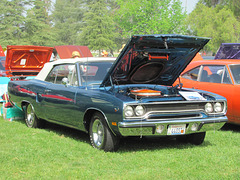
(234, 70)
(59, 95)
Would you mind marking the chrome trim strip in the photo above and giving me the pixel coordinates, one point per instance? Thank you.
(185, 121)
(150, 128)
(174, 102)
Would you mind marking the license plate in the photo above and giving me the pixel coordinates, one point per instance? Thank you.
(176, 129)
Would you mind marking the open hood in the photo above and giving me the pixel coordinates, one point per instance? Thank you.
(228, 51)
(153, 59)
(26, 60)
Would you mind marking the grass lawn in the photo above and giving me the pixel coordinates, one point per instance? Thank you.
(61, 153)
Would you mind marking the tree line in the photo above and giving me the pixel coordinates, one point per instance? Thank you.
(107, 24)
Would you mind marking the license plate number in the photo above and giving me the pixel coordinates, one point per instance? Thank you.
(176, 129)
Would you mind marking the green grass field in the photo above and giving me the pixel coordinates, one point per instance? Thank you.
(61, 153)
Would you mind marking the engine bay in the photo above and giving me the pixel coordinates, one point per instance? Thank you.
(141, 92)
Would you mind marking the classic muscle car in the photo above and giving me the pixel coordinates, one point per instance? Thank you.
(130, 96)
(221, 76)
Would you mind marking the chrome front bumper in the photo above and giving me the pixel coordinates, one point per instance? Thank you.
(148, 128)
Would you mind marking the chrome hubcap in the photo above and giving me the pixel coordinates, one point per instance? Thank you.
(98, 132)
(30, 115)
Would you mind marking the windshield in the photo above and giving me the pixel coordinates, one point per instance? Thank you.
(93, 73)
(235, 69)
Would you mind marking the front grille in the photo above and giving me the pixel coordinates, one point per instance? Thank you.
(173, 115)
(174, 107)
(172, 111)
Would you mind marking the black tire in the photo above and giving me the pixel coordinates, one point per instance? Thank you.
(31, 119)
(100, 135)
(197, 138)
(182, 138)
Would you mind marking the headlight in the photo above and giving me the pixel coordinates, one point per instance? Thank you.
(139, 111)
(208, 108)
(128, 111)
(218, 107)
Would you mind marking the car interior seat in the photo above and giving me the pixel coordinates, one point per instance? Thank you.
(215, 78)
(204, 76)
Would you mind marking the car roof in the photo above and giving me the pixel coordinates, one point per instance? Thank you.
(217, 61)
(48, 66)
(85, 59)
(194, 64)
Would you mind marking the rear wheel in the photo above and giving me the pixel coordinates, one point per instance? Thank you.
(101, 136)
(31, 119)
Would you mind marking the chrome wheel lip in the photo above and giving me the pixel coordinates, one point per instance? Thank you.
(98, 133)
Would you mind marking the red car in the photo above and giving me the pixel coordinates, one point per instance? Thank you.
(220, 76)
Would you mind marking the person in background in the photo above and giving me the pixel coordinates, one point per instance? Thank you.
(104, 54)
(76, 54)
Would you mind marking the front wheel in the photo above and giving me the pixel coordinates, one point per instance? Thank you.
(31, 119)
(101, 136)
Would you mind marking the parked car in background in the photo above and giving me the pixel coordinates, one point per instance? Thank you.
(3, 80)
(221, 76)
(65, 51)
(22, 62)
(1, 51)
(130, 96)
(208, 57)
(2, 66)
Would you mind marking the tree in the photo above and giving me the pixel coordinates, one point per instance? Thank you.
(12, 18)
(233, 5)
(217, 23)
(37, 24)
(99, 29)
(67, 20)
(150, 17)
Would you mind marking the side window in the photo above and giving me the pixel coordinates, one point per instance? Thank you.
(235, 70)
(211, 73)
(226, 77)
(63, 74)
(192, 75)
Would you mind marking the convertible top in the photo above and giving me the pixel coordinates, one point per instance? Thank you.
(48, 66)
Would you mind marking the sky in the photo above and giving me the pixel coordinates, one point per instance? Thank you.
(189, 5)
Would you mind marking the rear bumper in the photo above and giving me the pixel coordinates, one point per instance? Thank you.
(149, 128)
